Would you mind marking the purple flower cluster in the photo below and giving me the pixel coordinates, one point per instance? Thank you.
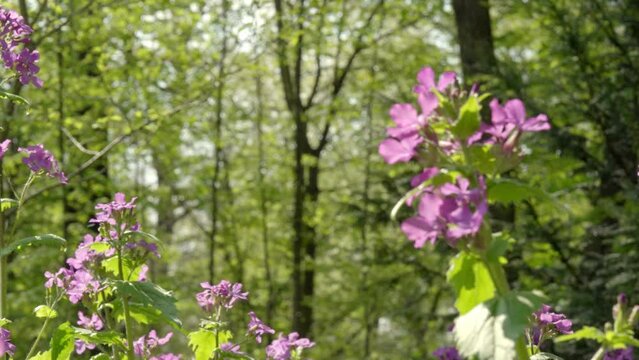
(77, 280)
(6, 346)
(142, 347)
(507, 124)
(116, 211)
(548, 324)
(456, 209)
(14, 35)
(621, 354)
(447, 353)
(91, 323)
(285, 346)
(412, 130)
(229, 347)
(4, 147)
(40, 160)
(223, 294)
(451, 211)
(258, 328)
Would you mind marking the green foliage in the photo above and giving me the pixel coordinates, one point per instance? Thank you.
(44, 311)
(100, 337)
(471, 280)
(205, 342)
(62, 342)
(46, 239)
(6, 204)
(507, 191)
(491, 329)
(13, 97)
(148, 295)
(469, 118)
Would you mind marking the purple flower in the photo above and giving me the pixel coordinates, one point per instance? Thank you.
(144, 246)
(399, 150)
(113, 210)
(81, 346)
(258, 328)
(507, 123)
(452, 211)
(285, 346)
(25, 64)
(6, 347)
(144, 345)
(82, 283)
(167, 356)
(426, 80)
(14, 34)
(91, 323)
(548, 324)
(223, 294)
(40, 160)
(447, 353)
(60, 279)
(621, 354)
(144, 270)
(229, 347)
(4, 146)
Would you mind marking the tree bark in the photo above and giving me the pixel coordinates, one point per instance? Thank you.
(475, 38)
(217, 124)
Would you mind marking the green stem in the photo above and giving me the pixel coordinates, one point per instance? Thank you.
(37, 340)
(127, 315)
(44, 326)
(501, 284)
(599, 354)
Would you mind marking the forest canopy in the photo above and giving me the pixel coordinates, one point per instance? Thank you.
(323, 179)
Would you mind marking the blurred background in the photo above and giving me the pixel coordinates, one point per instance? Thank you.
(249, 132)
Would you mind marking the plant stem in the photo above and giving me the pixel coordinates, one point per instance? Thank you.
(127, 315)
(37, 340)
(501, 284)
(599, 354)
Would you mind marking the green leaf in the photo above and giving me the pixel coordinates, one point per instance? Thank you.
(471, 280)
(545, 356)
(43, 311)
(469, 119)
(586, 332)
(4, 322)
(152, 238)
(508, 190)
(46, 239)
(151, 295)
(497, 248)
(482, 158)
(100, 247)
(131, 271)
(42, 356)
(6, 204)
(62, 342)
(491, 329)
(13, 97)
(203, 344)
(99, 337)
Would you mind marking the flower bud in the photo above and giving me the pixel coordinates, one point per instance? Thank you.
(622, 299)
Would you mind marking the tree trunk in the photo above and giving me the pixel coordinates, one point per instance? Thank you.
(217, 124)
(475, 38)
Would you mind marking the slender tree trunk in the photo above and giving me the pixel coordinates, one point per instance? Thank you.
(475, 38)
(219, 108)
(270, 301)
